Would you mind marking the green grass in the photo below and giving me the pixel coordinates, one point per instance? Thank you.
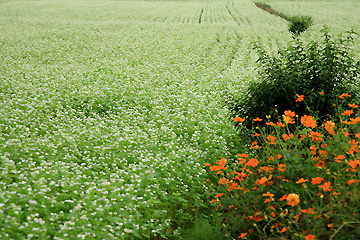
(110, 108)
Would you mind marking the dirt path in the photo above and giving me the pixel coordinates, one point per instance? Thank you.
(268, 9)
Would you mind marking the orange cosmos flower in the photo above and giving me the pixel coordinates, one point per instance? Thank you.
(283, 198)
(218, 206)
(222, 162)
(302, 180)
(238, 119)
(315, 136)
(346, 134)
(281, 167)
(326, 186)
(241, 161)
(278, 225)
(293, 199)
(287, 137)
(288, 120)
(242, 235)
(354, 147)
(215, 168)
(346, 122)
(347, 112)
(268, 194)
(280, 124)
(263, 180)
(349, 182)
(300, 98)
(224, 181)
(316, 180)
(354, 163)
(257, 216)
(353, 142)
(344, 95)
(243, 155)
(271, 139)
(312, 210)
(309, 237)
(270, 123)
(329, 126)
(254, 145)
(219, 195)
(256, 135)
(253, 162)
(313, 149)
(323, 152)
(289, 113)
(353, 105)
(355, 120)
(233, 186)
(257, 120)
(288, 116)
(339, 158)
(273, 214)
(322, 93)
(308, 121)
(304, 211)
(266, 169)
(320, 163)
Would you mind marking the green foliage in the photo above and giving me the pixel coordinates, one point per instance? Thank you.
(203, 229)
(299, 23)
(304, 69)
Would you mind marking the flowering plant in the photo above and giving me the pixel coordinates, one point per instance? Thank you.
(304, 68)
(293, 184)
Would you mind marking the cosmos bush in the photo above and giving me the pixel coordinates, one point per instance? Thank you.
(301, 184)
(301, 69)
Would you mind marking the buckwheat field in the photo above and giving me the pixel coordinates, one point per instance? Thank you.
(109, 109)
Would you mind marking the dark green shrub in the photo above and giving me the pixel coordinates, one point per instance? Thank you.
(305, 69)
(299, 23)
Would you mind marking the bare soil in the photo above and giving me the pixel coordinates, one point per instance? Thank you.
(268, 9)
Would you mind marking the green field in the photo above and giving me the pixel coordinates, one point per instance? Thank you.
(109, 109)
